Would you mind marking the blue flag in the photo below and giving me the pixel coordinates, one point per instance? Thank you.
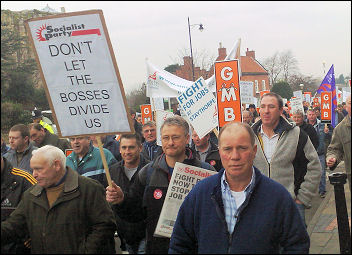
(328, 84)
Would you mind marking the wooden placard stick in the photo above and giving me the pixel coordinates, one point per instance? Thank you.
(154, 111)
(216, 132)
(106, 168)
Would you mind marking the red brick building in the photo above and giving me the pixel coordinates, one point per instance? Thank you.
(251, 69)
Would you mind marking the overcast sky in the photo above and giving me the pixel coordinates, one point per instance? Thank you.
(315, 32)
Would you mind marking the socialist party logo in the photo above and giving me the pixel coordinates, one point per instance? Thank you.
(47, 32)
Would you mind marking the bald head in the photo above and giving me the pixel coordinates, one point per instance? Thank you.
(233, 126)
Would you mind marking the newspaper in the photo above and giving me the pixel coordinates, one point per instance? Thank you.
(183, 179)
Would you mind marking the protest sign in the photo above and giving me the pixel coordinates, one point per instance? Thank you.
(228, 91)
(345, 93)
(199, 106)
(157, 103)
(263, 92)
(146, 111)
(298, 94)
(296, 104)
(160, 117)
(246, 89)
(183, 179)
(326, 106)
(316, 101)
(307, 97)
(80, 73)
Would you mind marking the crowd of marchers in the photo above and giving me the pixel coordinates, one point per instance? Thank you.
(269, 167)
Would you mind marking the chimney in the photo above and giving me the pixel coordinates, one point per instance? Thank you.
(222, 52)
(187, 61)
(250, 53)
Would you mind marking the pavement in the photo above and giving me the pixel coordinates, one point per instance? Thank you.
(322, 225)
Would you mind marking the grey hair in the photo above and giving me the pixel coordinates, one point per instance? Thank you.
(249, 112)
(51, 153)
(298, 111)
(239, 124)
(149, 124)
(176, 121)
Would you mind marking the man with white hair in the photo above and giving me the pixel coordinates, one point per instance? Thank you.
(64, 212)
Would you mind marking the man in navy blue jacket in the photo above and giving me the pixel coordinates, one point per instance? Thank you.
(238, 210)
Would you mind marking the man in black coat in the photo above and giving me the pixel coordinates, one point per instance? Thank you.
(124, 173)
(14, 182)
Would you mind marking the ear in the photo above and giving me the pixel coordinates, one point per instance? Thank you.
(57, 165)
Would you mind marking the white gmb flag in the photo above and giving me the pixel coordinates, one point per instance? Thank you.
(234, 54)
(164, 84)
(161, 83)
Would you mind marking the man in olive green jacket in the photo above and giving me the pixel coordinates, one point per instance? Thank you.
(340, 146)
(64, 212)
(41, 137)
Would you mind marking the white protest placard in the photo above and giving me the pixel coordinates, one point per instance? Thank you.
(298, 94)
(284, 100)
(246, 92)
(345, 93)
(199, 105)
(160, 117)
(157, 103)
(80, 73)
(183, 179)
(296, 104)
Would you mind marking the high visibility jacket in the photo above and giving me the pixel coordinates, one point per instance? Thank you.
(46, 126)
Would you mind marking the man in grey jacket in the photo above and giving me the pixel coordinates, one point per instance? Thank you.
(285, 153)
(21, 149)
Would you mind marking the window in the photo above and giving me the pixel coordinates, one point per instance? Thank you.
(263, 85)
(256, 86)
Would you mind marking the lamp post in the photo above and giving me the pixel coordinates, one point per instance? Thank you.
(301, 86)
(190, 43)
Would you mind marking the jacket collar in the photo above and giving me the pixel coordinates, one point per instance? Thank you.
(71, 183)
(142, 162)
(217, 188)
(160, 161)
(283, 125)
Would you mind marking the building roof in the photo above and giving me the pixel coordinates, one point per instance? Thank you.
(250, 65)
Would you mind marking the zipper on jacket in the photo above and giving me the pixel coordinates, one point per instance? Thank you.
(239, 211)
(222, 218)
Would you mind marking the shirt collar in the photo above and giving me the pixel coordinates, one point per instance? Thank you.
(225, 186)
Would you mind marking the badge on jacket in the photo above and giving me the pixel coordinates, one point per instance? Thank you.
(158, 194)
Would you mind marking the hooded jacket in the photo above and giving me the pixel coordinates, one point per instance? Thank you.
(294, 164)
(340, 146)
(147, 197)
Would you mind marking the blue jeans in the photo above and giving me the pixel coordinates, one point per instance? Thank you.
(301, 209)
(137, 248)
(322, 184)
